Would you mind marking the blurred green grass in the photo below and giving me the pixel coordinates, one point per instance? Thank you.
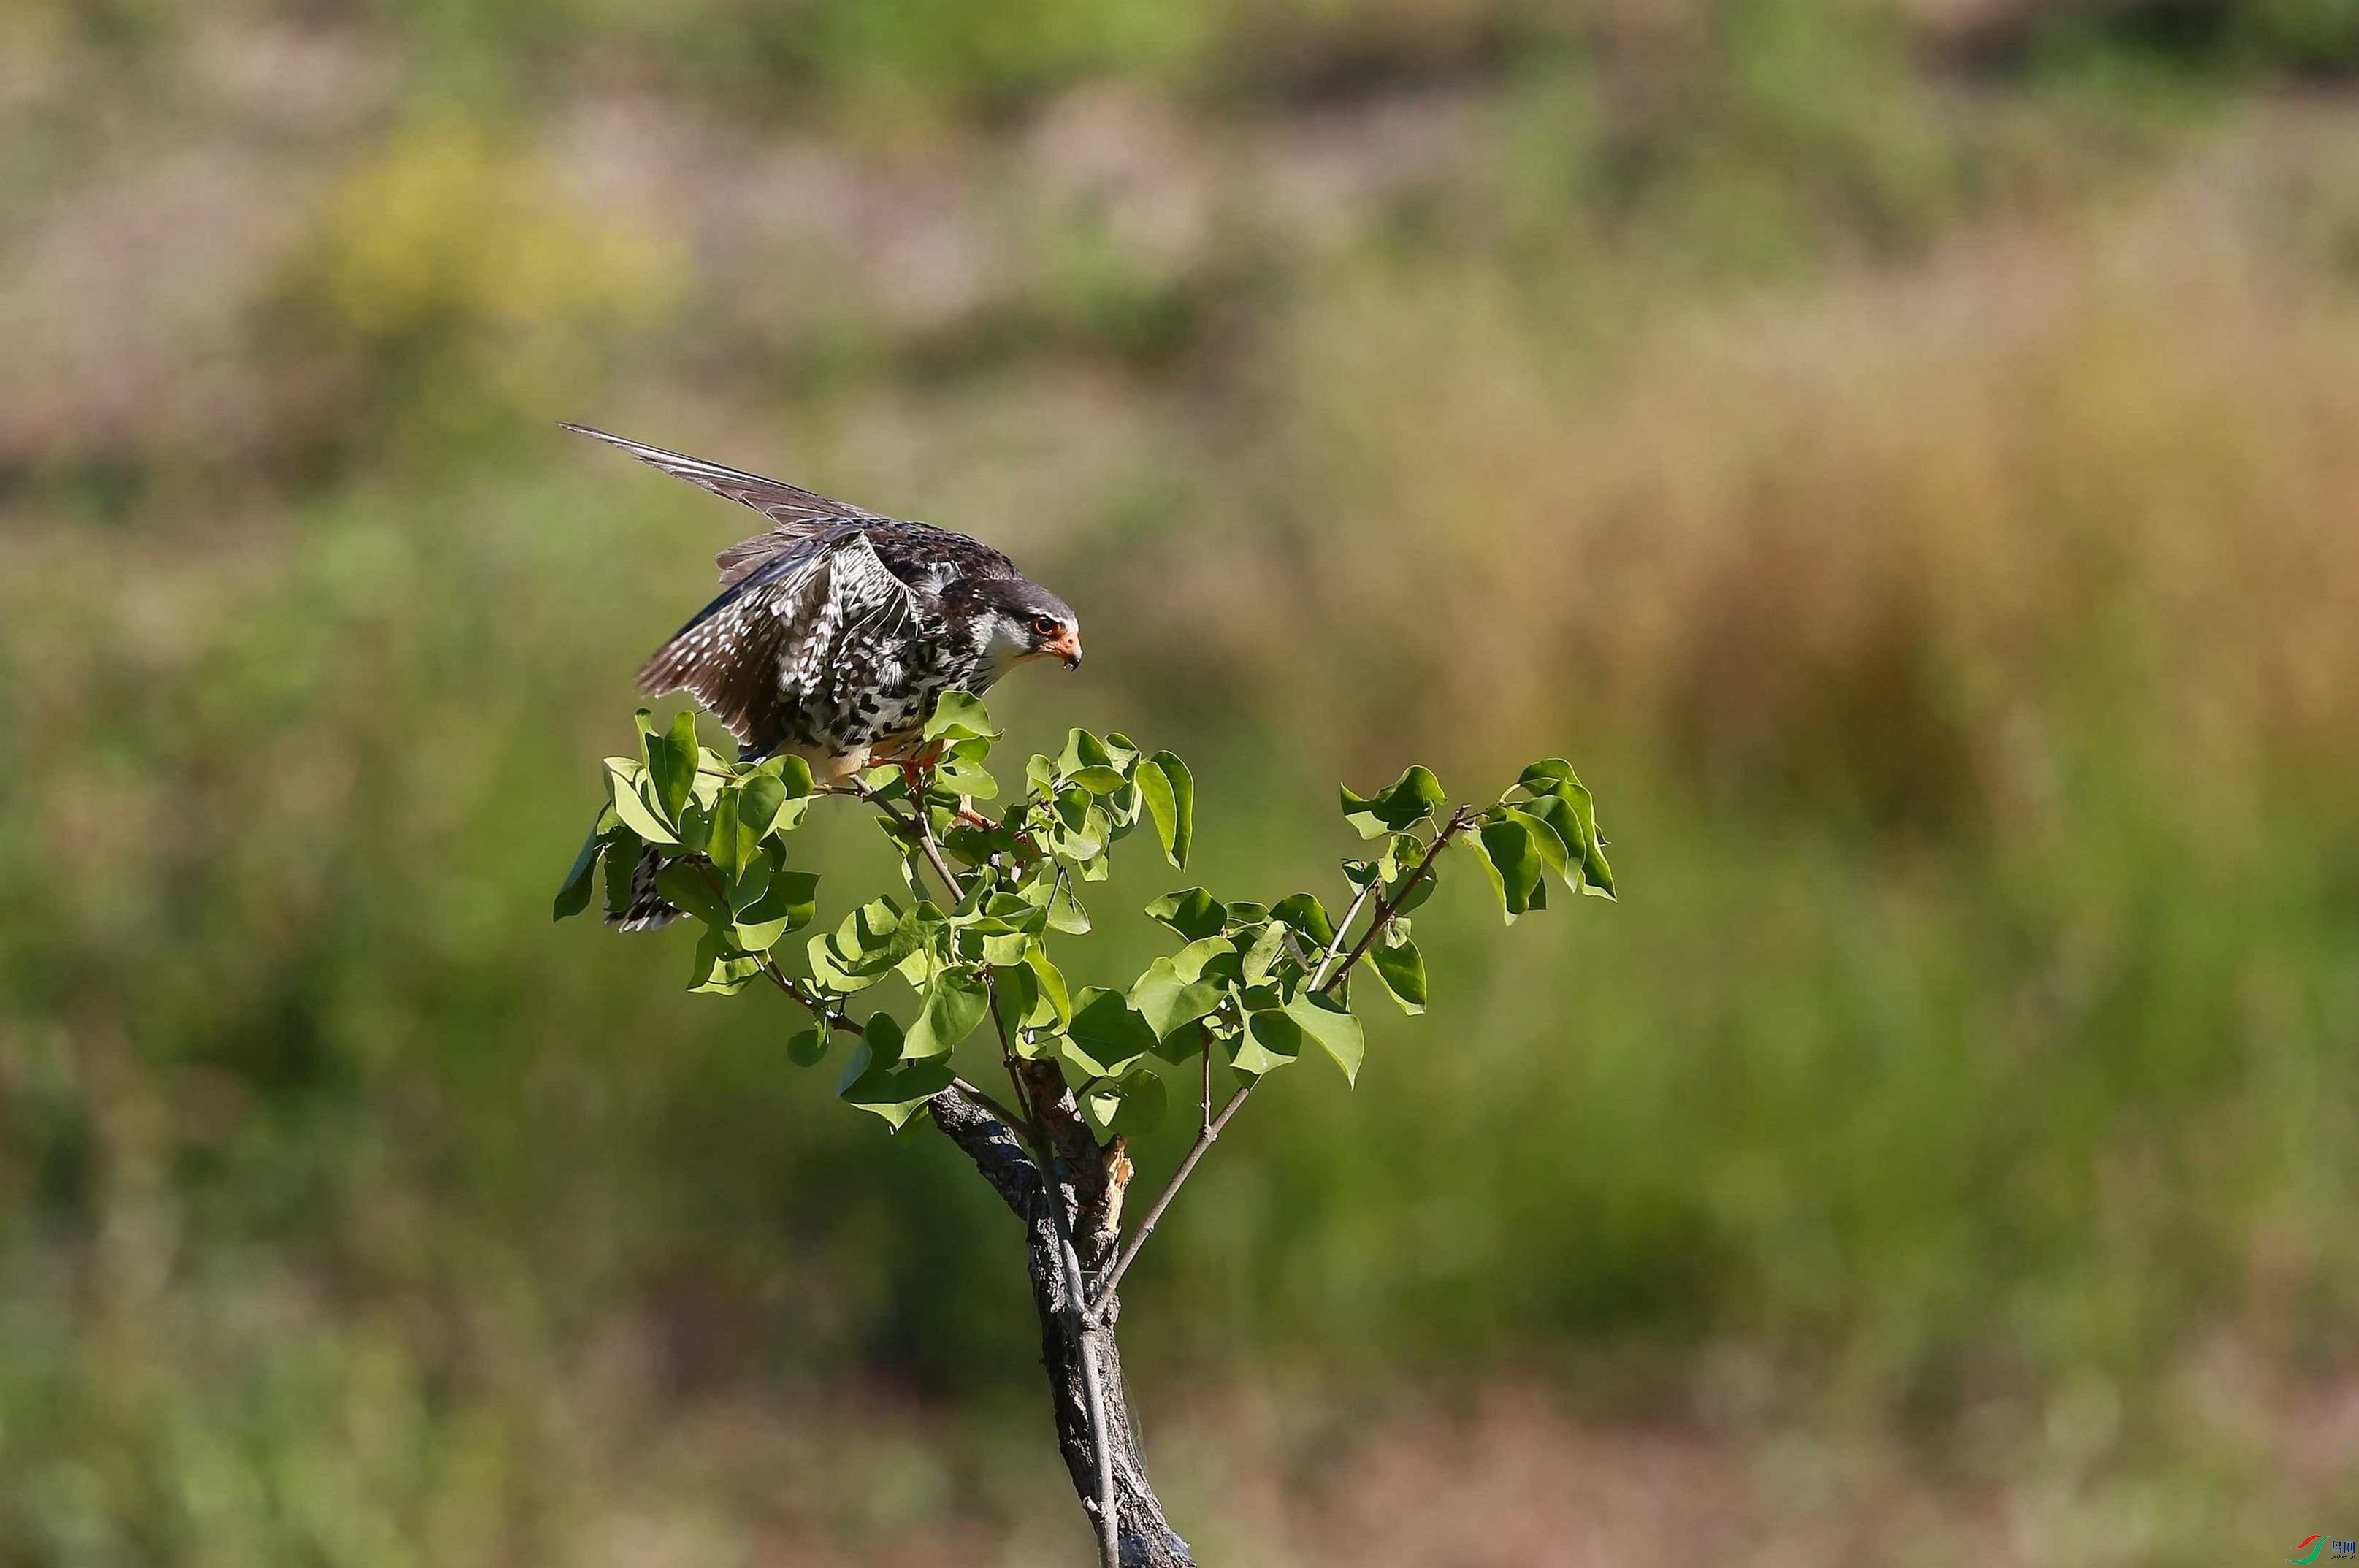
(1902, 455)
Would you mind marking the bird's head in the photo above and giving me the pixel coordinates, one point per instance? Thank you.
(1024, 621)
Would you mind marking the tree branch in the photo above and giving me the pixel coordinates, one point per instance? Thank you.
(979, 1125)
(1204, 1100)
(1204, 1140)
(918, 826)
(831, 1015)
(1391, 907)
(934, 854)
(1075, 1304)
(1330, 972)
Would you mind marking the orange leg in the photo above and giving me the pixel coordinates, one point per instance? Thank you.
(915, 764)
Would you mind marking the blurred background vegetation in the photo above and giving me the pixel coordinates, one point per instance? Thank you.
(1904, 451)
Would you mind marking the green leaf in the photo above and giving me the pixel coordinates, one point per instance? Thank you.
(1065, 912)
(961, 771)
(1271, 1040)
(1412, 894)
(1505, 847)
(1052, 982)
(792, 772)
(790, 904)
(882, 1035)
(884, 1087)
(876, 937)
(1171, 997)
(1402, 970)
(696, 826)
(1414, 797)
(1003, 949)
(1306, 914)
(1097, 781)
(1015, 993)
(1267, 950)
(924, 943)
(1550, 844)
(624, 778)
(1193, 912)
(1162, 806)
(805, 1048)
(1556, 813)
(1545, 777)
(686, 884)
(1105, 1033)
(1082, 750)
(1597, 876)
(573, 896)
(953, 1004)
(960, 715)
(870, 943)
(620, 862)
(752, 880)
(1084, 825)
(1181, 839)
(719, 969)
(1330, 1023)
(671, 762)
(761, 796)
(728, 845)
(1130, 1106)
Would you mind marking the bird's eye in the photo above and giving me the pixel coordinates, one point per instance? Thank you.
(1047, 625)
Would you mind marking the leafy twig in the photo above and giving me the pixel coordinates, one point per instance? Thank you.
(831, 1017)
(1383, 917)
(1330, 972)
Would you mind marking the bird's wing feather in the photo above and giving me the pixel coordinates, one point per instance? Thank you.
(936, 557)
(752, 654)
(786, 505)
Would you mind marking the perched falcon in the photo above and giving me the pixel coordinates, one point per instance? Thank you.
(837, 630)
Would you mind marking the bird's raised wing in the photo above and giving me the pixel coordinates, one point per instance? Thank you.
(781, 503)
(753, 653)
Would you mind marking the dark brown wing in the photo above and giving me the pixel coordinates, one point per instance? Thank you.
(931, 559)
(752, 654)
(781, 503)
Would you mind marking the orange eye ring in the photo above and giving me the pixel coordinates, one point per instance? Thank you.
(1047, 625)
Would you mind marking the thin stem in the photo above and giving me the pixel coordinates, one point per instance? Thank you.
(934, 854)
(1204, 1140)
(830, 1017)
(917, 825)
(982, 1097)
(1391, 907)
(1204, 1102)
(1330, 972)
(1093, 1396)
(1343, 929)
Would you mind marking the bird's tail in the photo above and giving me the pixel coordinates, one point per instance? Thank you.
(648, 909)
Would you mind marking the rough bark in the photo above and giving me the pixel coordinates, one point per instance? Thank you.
(1090, 1190)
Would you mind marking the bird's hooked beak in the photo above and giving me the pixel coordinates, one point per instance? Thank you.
(1066, 645)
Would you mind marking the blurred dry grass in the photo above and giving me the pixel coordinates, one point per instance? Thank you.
(1902, 452)
(1898, 531)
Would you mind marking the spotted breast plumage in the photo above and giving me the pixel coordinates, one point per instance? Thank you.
(838, 629)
